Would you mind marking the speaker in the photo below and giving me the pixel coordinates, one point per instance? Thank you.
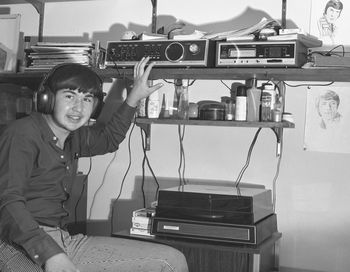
(44, 98)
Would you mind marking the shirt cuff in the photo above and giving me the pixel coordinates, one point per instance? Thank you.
(126, 111)
(41, 251)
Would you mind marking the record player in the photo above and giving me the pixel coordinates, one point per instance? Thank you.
(218, 213)
(225, 204)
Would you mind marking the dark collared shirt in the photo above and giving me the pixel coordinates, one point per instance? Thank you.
(36, 176)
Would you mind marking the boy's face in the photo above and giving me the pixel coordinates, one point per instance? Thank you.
(72, 109)
(328, 108)
(332, 14)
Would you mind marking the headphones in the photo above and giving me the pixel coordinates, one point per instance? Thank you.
(44, 98)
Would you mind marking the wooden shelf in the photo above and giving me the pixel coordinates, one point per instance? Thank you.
(146, 123)
(195, 122)
(285, 74)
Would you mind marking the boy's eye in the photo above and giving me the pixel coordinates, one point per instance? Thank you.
(88, 99)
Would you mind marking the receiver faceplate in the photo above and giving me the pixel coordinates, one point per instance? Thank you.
(186, 53)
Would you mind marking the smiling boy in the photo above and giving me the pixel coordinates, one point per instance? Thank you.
(39, 156)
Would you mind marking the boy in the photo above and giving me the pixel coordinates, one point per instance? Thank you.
(39, 156)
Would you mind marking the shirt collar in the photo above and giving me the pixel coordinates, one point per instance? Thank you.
(46, 131)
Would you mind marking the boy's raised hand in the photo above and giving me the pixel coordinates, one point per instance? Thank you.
(141, 89)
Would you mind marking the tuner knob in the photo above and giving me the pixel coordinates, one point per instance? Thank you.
(174, 52)
(194, 48)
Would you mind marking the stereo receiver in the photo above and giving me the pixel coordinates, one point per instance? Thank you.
(260, 54)
(178, 53)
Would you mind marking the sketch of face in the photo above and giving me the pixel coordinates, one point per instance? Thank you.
(328, 109)
(332, 15)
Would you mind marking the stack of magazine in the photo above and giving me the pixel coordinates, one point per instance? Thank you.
(142, 221)
(45, 55)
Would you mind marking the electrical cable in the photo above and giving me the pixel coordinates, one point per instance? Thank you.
(248, 158)
(228, 87)
(101, 185)
(274, 182)
(82, 191)
(189, 83)
(125, 174)
(182, 162)
(116, 67)
(308, 85)
(330, 51)
(86, 176)
(145, 159)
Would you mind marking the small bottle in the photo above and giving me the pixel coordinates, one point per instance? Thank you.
(141, 108)
(177, 93)
(268, 101)
(253, 102)
(241, 104)
(184, 105)
(164, 111)
(277, 111)
(229, 107)
(153, 105)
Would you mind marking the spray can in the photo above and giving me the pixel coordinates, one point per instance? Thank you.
(268, 101)
(241, 104)
(253, 102)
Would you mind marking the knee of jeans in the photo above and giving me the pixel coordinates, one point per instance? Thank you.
(177, 259)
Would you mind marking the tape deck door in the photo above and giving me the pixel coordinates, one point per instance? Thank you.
(260, 54)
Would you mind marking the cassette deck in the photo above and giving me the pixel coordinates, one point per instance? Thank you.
(260, 54)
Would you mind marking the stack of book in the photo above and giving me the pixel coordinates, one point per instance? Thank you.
(45, 55)
(142, 221)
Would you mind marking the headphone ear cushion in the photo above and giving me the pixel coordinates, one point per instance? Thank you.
(98, 108)
(45, 101)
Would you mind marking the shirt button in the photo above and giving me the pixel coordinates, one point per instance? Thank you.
(54, 138)
(36, 256)
(62, 156)
(67, 167)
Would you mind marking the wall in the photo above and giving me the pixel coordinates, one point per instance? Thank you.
(312, 187)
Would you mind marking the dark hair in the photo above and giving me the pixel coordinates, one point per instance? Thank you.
(337, 4)
(75, 77)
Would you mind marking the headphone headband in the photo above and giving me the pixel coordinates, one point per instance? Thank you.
(44, 98)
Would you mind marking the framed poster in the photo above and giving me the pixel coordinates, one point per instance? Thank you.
(327, 119)
(329, 22)
(9, 41)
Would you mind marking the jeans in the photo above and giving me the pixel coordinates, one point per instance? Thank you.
(108, 254)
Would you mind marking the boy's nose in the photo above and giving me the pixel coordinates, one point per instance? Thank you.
(78, 104)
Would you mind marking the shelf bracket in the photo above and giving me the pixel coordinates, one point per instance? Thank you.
(284, 14)
(40, 8)
(147, 130)
(279, 139)
(154, 16)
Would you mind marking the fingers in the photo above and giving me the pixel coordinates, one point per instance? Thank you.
(139, 68)
(156, 87)
(148, 69)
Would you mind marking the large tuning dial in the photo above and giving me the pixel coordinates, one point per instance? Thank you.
(174, 52)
